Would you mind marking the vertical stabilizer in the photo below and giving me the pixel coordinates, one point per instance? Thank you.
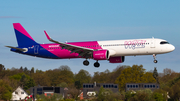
(22, 36)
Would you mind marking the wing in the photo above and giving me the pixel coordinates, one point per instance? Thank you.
(82, 51)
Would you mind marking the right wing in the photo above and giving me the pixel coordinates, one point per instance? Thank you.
(82, 51)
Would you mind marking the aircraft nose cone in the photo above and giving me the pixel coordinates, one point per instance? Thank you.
(172, 48)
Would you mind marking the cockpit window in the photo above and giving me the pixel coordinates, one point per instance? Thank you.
(164, 42)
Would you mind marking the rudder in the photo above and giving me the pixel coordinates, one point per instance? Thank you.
(22, 36)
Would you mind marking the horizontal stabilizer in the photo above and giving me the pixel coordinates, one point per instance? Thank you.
(20, 49)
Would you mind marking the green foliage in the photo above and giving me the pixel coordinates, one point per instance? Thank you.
(174, 92)
(108, 95)
(134, 74)
(2, 67)
(77, 84)
(83, 76)
(63, 84)
(146, 95)
(53, 97)
(32, 70)
(100, 96)
(41, 79)
(5, 90)
(142, 95)
(158, 97)
(64, 77)
(29, 83)
(62, 74)
(24, 80)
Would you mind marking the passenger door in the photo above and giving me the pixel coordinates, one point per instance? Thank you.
(36, 47)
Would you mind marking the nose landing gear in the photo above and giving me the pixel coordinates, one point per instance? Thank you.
(155, 61)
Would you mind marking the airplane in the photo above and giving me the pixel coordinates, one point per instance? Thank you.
(114, 51)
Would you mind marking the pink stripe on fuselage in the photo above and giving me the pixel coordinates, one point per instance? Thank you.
(64, 53)
(20, 28)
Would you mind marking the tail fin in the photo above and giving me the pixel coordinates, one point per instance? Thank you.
(22, 36)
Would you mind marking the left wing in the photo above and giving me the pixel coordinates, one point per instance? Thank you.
(82, 51)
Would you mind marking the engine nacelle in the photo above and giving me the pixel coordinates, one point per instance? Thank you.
(101, 55)
(119, 59)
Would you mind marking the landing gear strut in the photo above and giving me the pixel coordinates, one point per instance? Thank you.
(96, 64)
(155, 61)
(86, 62)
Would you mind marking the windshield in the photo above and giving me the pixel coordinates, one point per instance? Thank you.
(164, 42)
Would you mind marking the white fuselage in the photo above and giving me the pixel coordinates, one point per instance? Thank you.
(136, 47)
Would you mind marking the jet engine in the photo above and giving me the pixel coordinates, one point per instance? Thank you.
(101, 55)
(119, 59)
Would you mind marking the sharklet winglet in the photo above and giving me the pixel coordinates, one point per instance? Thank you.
(48, 37)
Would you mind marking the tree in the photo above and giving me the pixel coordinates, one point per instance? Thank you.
(21, 69)
(29, 83)
(167, 71)
(107, 95)
(2, 67)
(26, 71)
(115, 73)
(41, 79)
(134, 74)
(77, 84)
(155, 75)
(62, 84)
(2, 71)
(66, 75)
(175, 92)
(101, 77)
(159, 95)
(101, 96)
(73, 92)
(64, 68)
(5, 91)
(143, 95)
(148, 77)
(24, 80)
(83, 76)
(62, 74)
(32, 70)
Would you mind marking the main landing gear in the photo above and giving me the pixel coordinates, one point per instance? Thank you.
(86, 63)
(96, 64)
(155, 61)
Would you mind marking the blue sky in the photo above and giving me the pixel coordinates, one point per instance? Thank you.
(83, 20)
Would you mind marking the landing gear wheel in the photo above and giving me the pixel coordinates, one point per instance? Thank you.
(86, 62)
(96, 64)
(155, 61)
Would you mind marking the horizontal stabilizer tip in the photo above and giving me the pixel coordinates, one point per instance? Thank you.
(20, 49)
